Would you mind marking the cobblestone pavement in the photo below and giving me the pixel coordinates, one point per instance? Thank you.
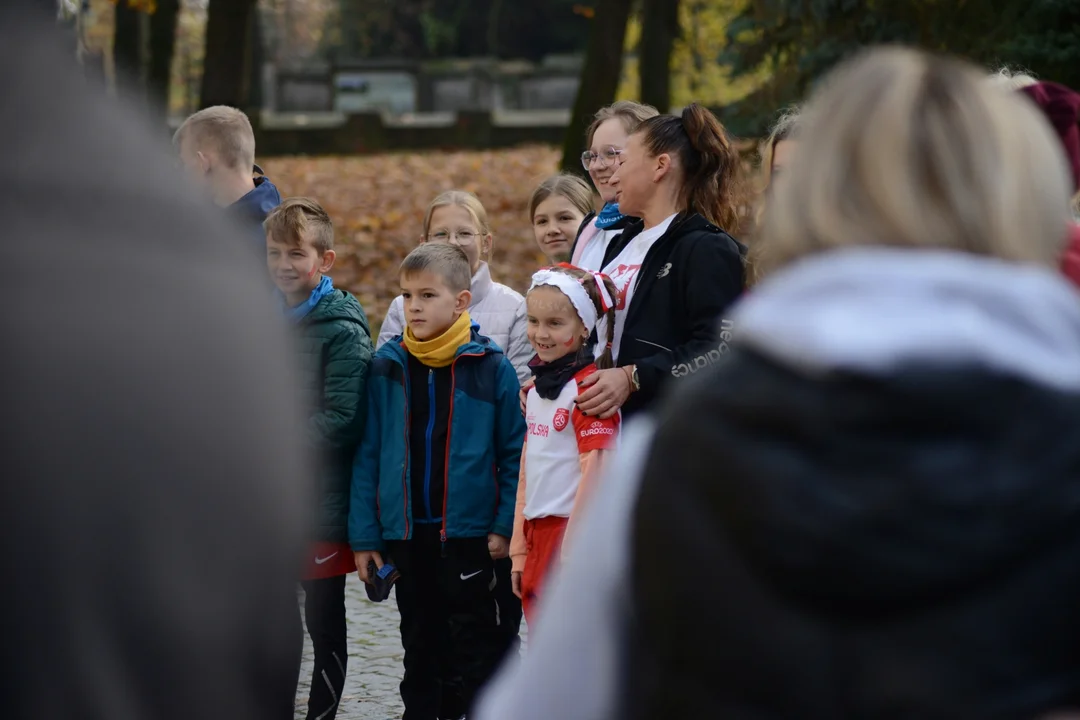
(374, 671)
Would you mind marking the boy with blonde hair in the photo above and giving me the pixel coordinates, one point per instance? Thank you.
(217, 149)
(336, 353)
(435, 483)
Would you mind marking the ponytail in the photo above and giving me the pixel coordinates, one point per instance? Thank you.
(712, 183)
(606, 360)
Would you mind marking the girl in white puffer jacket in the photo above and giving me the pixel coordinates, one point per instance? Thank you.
(458, 217)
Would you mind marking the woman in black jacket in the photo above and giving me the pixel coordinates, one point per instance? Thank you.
(676, 270)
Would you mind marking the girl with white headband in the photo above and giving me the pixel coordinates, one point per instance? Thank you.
(563, 447)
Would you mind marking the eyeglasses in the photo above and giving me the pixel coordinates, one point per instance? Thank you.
(461, 237)
(607, 157)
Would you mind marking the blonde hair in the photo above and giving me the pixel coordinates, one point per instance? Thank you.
(785, 128)
(449, 262)
(225, 130)
(460, 198)
(906, 149)
(631, 114)
(571, 187)
(300, 218)
(1011, 79)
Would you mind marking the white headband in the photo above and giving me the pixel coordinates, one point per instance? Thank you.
(574, 290)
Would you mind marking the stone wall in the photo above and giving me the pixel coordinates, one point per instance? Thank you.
(373, 132)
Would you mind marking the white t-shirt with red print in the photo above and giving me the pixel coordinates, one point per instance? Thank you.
(558, 434)
(623, 271)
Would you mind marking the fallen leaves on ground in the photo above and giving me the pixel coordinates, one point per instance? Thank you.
(378, 203)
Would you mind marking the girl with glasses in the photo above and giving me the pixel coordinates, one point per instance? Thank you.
(457, 217)
(606, 138)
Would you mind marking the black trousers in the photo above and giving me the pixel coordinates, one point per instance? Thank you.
(510, 607)
(324, 612)
(450, 622)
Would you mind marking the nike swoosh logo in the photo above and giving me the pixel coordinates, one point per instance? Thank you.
(470, 575)
(320, 561)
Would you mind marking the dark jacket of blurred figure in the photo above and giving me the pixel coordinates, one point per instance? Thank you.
(151, 496)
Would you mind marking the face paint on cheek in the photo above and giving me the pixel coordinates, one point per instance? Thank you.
(569, 343)
(312, 273)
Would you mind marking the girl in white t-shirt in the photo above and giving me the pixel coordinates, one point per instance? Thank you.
(563, 446)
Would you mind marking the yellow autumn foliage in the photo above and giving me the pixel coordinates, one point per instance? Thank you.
(147, 6)
(696, 76)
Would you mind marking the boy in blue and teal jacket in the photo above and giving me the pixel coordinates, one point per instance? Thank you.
(435, 481)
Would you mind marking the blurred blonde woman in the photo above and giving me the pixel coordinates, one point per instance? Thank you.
(869, 509)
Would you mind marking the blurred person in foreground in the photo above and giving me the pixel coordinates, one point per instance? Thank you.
(152, 515)
(877, 511)
(217, 149)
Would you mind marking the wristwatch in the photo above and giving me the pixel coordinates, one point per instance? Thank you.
(635, 381)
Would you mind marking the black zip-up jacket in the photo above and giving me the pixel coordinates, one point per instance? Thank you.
(674, 325)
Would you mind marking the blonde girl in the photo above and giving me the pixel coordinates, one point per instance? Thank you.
(557, 209)
(563, 447)
(459, 218)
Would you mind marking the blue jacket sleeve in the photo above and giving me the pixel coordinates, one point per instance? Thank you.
(509, 438)
(365, 533)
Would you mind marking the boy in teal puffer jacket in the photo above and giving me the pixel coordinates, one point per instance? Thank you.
(335, 357)
(435, 482)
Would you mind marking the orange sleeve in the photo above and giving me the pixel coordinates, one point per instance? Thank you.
(517, 541)
(591, 464)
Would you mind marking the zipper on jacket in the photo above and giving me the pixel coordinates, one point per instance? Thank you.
(449, 425)
(405, 464)
(427, 439)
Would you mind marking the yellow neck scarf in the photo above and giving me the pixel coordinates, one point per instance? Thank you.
(439, 352)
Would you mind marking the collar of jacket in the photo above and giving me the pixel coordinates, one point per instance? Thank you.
(683, 223)
(873, 310)
(477, 345)
(481, 284)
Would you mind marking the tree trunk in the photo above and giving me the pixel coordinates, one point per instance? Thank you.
(225, 67)
(162, 46)
(660, 29)
(599, 75)
(127, 48)
(493, 34)
(256, 58)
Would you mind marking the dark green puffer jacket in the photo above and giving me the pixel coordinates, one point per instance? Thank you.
(336, 350)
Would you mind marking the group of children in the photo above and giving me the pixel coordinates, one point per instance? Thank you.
(433, 479)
